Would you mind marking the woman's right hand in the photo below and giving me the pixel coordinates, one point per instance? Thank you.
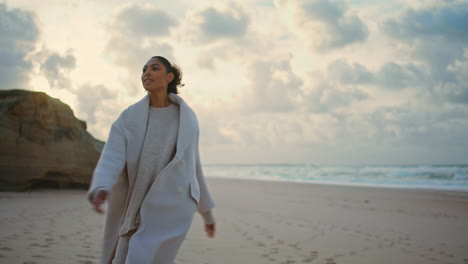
(99, 198)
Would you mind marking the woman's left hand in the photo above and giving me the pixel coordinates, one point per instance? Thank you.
(210, 230)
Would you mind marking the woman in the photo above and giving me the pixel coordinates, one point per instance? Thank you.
(150, 174)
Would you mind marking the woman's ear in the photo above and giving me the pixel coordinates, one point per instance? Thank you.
(170, 77)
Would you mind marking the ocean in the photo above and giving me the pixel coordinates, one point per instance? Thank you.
(441, 177)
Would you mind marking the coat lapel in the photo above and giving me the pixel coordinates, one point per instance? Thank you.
(137, 123)
(188, 125)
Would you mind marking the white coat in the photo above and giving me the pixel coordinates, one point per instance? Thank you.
(166, 211)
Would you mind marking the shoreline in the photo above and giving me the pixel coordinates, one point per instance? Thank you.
(383, 186)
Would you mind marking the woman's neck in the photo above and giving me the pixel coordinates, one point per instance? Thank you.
(159, 99)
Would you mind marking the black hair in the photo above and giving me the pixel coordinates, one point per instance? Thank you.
(173, 86)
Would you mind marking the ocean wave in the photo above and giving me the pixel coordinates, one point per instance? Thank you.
(427, 176)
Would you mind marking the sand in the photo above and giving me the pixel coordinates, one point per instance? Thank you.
(259, 222)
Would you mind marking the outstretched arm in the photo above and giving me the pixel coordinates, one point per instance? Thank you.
(110, 165)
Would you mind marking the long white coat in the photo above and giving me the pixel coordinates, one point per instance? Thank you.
(166, 211)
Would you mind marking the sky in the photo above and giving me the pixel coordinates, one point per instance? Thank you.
(322, 82)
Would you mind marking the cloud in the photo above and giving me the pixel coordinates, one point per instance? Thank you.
(434, 37)
(56, 67)
(142, 21)
(457, 90)
(396, 76)
(266, 130)
(325, 24)
(212, 24)
(325, 95)
(437, 54)
(220, 33)
(19, 33)
(390, 75)
(273, 87)
(138, 32)
(449, 22)
(93, 99)
(408, 125)
(212, 127)
(343, 72)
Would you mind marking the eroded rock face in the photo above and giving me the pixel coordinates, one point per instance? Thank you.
(42, 144)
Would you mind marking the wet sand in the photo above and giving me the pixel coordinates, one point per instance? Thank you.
(259, 222)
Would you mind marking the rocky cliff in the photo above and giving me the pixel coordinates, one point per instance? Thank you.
(42, 144)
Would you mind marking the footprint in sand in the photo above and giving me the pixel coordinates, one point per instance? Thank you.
(274, 251)
(296, 246)
(312, 256)
(12, 237)
(88, 244)
(406, 251)
(86, 256)
(38, 245)
(86, 262)
(6, 249)
(38, 256)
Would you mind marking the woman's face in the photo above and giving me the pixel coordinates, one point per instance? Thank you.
(155, 76)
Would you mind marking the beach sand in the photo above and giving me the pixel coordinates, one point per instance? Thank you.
(258, 222)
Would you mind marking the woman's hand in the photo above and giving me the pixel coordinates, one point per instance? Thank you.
(99, 200)
(210, 230)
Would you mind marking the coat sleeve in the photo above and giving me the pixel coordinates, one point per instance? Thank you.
(112, 160)
(206, 201)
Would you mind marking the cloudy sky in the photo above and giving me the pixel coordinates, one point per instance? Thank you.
(279, 81)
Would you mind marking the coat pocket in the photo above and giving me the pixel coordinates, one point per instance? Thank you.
(194, 193)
